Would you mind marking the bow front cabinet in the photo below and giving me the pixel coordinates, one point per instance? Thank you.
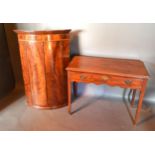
(44, 57)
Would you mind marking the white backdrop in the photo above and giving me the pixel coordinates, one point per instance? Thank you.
(136, 41)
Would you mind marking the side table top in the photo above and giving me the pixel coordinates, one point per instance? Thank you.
(109, 66)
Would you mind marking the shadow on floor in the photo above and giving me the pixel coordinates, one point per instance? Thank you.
(146, 108)
(17, 93)
(151, 116)
(84, 105)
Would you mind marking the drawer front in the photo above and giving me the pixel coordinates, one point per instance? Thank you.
(106, 79)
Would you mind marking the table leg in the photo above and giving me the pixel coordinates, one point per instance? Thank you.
(133, 97)
(141, 96)
(75, 89)
(69, 95)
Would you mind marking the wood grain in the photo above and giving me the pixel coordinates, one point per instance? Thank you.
(118, 67)
(44, 57)
(114, 72)
(124, 82)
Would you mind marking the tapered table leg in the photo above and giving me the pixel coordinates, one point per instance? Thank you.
(141, 96)
(75, 89)
(133, 98)
(69, 95)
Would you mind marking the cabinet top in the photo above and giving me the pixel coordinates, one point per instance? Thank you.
(43, 31)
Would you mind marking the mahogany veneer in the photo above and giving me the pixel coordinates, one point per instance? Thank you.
(44, 57)
(114, 72)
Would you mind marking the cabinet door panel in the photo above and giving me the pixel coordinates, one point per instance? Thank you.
(36, 65)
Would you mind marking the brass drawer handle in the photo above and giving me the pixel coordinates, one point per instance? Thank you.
(82, 77)
(128, 82)
(105, 78)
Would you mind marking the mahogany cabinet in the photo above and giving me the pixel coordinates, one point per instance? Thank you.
(44, 57)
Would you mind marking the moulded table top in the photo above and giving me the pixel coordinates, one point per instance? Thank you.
(109, 66)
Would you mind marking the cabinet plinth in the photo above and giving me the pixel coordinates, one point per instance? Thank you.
(44, 57)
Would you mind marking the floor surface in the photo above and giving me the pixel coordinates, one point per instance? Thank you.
(88, 114)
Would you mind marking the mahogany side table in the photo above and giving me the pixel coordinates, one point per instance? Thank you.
(124, 73)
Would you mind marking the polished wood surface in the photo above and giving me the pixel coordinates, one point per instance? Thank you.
(124, 73)
(44, 57)
(43, 32)
(124, 82)
(120, 67)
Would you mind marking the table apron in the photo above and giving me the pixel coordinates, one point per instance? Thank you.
(111, 80)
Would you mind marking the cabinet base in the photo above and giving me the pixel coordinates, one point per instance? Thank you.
(46, 108)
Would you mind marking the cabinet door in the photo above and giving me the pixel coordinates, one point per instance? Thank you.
(33, 65)
(56, 60)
